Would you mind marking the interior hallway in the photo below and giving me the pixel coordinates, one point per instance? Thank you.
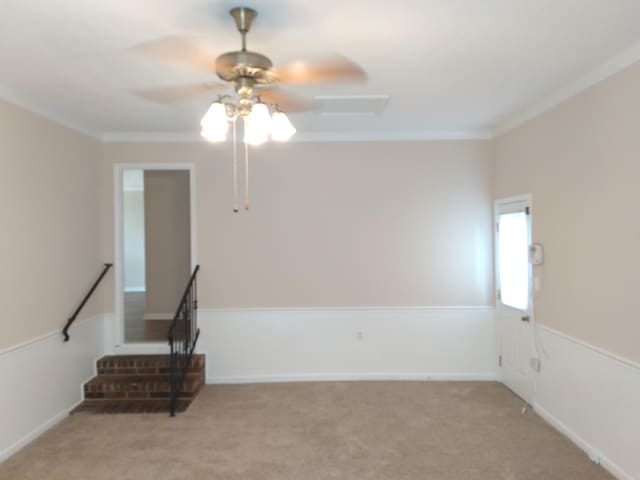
(136, 328)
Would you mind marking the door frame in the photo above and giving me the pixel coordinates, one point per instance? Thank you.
(118, 334)
(517, 201)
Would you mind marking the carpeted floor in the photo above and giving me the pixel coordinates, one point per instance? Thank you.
(313, 431)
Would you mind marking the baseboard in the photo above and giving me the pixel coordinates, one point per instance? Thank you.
(159, 316)
(593, 454)
(591, 396)
(25, 416)
(39, 430)
(35, 433)
(353, 377)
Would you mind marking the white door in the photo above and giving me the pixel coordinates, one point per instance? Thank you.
(514, 294)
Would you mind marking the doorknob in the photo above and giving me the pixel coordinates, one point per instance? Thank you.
(525, 318)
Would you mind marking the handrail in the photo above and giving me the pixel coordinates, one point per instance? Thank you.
(183, 335)
(192, 280)
(72, 318)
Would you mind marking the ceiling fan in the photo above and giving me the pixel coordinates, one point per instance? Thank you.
(253, 76)
(255, 81)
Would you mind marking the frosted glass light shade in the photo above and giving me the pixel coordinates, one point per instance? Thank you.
(215, 123)
(281, 129)
(213, 135)
(257, 125)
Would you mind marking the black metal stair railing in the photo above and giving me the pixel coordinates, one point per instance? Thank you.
(72, 318)
(183, 335)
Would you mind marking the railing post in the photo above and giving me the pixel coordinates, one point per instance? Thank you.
(182, 335)
(172, 378)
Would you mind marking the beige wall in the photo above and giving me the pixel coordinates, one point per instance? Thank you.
(49, 230)
(581, 162)
(337, 224)
(167, 238)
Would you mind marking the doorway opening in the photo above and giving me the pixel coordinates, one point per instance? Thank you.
(154, 248)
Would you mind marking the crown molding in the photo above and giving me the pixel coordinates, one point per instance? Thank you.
(623, 60)
(391, 136)
(616, 64)
(19, 101)
(319, 137)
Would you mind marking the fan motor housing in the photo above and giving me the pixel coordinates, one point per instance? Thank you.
(233, 65)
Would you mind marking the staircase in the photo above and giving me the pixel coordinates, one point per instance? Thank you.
(138, 384)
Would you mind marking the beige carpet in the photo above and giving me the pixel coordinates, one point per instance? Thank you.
(309, 431)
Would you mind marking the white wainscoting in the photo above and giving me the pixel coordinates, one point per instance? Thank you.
(413, 343)
(593, 397)
(42, 381)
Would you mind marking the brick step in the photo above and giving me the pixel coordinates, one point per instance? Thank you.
(139, 384)
(143, 364)
(129, 406)
(108, 386)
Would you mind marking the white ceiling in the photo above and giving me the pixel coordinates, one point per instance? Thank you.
(450, 67)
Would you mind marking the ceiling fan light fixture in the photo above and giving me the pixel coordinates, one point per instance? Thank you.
(251, 74)
(257, 125)
(281, 128)
(213, 135)
(215, 123)
(253, 136)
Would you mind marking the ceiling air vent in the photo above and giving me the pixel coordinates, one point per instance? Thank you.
(344, 105)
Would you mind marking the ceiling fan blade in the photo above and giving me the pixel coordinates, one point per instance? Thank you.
(287, 102)
(193, 51)
(334, 69)
(178, 93)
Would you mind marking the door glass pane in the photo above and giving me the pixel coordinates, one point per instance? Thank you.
(513, 259)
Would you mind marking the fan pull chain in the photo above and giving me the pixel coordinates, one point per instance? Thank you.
(246, 176)
(235, 169)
